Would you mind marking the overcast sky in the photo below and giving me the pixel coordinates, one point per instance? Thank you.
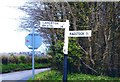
(11, 39)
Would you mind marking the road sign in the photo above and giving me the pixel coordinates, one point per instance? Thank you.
(52, 24)
(29, 40)
(81, 33)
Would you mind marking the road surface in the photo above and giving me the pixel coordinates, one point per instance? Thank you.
(21, 75)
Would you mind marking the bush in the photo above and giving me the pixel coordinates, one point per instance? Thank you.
(42, 60)
(22, 59)
(4, 59)
(73, 56)
(13, 59)
(28, 59)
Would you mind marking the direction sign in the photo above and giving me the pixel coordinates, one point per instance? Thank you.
(52, 24)
(29, 40)
(81, 33)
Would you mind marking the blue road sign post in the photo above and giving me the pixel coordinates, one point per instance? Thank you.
(33, 53)
(33, 41)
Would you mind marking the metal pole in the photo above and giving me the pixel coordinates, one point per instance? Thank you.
(65, 50)
(33, 53)
(65, 68)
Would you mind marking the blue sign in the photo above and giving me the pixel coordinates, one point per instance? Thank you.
(29, 41)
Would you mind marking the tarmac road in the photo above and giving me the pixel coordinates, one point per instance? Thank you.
(21, 75)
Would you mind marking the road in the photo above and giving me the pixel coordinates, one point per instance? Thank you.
(21, 75)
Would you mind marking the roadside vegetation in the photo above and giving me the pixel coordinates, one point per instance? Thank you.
(98, 55)
(16, 63)
(56, 75)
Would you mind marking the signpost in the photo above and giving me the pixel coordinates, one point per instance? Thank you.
(52, 24)
(65, 50)
(33, 41)
(81, 33)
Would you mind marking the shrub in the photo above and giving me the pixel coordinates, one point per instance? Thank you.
(28, 59)
(42, 59)
(13, 59)
(22, 59)
(4, 59)
(73, 56)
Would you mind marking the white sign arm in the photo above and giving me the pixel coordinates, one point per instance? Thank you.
(81, 33)
(52, 24)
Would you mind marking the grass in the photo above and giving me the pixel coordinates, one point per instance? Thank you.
(18, 67)
(55, 75)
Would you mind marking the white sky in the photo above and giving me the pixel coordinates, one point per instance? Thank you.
(11, 39)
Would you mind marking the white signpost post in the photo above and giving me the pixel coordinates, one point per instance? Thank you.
(67, 33)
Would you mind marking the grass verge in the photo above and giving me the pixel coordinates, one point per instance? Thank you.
(18, 67)
(53, 75)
